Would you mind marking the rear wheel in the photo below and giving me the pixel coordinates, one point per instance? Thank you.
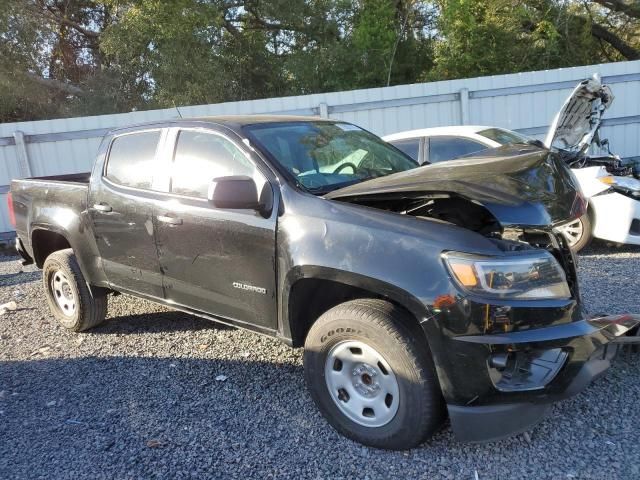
(72, 302)
(578, 233)
(369, 371)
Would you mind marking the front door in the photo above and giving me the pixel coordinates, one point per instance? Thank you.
(218, 261)
(121, 210)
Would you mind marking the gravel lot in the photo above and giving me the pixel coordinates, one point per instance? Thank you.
(142, 396)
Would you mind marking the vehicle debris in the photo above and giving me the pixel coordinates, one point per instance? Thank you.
(155, 443)
(8, 307)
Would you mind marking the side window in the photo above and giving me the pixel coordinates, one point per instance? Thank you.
(200, 157)
(411, 147)
(131, 159)
(448, 148)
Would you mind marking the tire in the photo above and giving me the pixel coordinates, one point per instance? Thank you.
(579, 233)
(415, 409)
(71, 301)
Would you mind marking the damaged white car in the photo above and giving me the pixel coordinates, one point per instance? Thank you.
(612, 191)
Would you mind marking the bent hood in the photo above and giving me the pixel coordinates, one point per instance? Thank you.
(522, 186)
(577, 122)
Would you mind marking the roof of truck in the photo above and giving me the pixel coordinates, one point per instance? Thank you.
(231, 121)
(252, 119)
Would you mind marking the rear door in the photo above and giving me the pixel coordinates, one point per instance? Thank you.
(214, 260)
(121, 202)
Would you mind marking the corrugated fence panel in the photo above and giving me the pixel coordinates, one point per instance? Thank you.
(523, 101)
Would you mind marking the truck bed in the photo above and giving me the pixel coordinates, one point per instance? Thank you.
(36, 199)
(82, 178)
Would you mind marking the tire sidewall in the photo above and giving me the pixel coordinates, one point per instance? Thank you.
(585, 239)
(409, 384)
(51, 266)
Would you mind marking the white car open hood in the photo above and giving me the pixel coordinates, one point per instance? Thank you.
(578, 120)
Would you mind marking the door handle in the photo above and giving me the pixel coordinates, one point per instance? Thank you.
(102, 207)
(169, 220)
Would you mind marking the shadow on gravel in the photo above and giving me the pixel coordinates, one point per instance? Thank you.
(12, 256)
(18, 278)
(145, 417)
(599, 247)
(85, 417)
(167, 321)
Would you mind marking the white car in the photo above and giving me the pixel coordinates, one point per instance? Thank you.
(613, 194)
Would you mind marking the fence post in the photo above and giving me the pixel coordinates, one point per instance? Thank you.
(324, 110)
(23, 154)
(464, 106)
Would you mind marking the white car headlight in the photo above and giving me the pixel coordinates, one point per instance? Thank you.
(624, 182)
(520, 277)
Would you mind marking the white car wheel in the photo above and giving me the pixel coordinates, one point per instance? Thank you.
(578, 232)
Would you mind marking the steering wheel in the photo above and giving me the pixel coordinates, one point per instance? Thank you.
(339, 168)
(368, 159)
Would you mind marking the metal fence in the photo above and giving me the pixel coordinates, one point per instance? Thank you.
(526, 102)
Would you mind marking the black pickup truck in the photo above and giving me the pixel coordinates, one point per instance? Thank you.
(415, 291)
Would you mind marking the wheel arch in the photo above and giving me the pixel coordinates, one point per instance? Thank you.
(46, 238)
(311, 291)
(45, 241)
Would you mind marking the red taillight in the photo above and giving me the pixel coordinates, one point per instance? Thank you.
(12, 215)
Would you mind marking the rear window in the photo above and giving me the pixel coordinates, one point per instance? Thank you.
(131, 159)
(442, 149)
(411, 147)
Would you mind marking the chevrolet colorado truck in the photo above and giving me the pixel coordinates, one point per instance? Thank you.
(416, 292)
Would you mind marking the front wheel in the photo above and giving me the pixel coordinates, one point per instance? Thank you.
(72, 302)
(369, 370)
(578, 233)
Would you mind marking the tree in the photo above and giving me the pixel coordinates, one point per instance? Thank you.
(500, 36)
(79, 57)
(51, 61)
(618, 24)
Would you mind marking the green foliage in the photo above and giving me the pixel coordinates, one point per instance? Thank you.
(504, 36)
(80, 57)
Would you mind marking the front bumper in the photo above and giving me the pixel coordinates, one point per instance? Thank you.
(581, 352)
(616, 218)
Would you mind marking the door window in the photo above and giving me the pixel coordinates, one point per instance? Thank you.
(448, 148)
(411, 147)
(200, 157)
(131, 159)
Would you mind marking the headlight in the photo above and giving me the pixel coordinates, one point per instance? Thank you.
(624, 182)
(523, 277)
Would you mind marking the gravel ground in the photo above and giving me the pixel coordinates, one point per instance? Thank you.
(158, 394)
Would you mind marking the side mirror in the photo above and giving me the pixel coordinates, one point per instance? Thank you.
(234, 192)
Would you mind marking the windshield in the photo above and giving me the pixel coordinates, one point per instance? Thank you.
(504, 137)
(324, 156)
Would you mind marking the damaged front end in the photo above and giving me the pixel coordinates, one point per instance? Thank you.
(574, 132)
(507, 340)
(517, 195)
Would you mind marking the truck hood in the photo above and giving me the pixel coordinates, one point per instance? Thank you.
(577, 122)
(523, 186)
